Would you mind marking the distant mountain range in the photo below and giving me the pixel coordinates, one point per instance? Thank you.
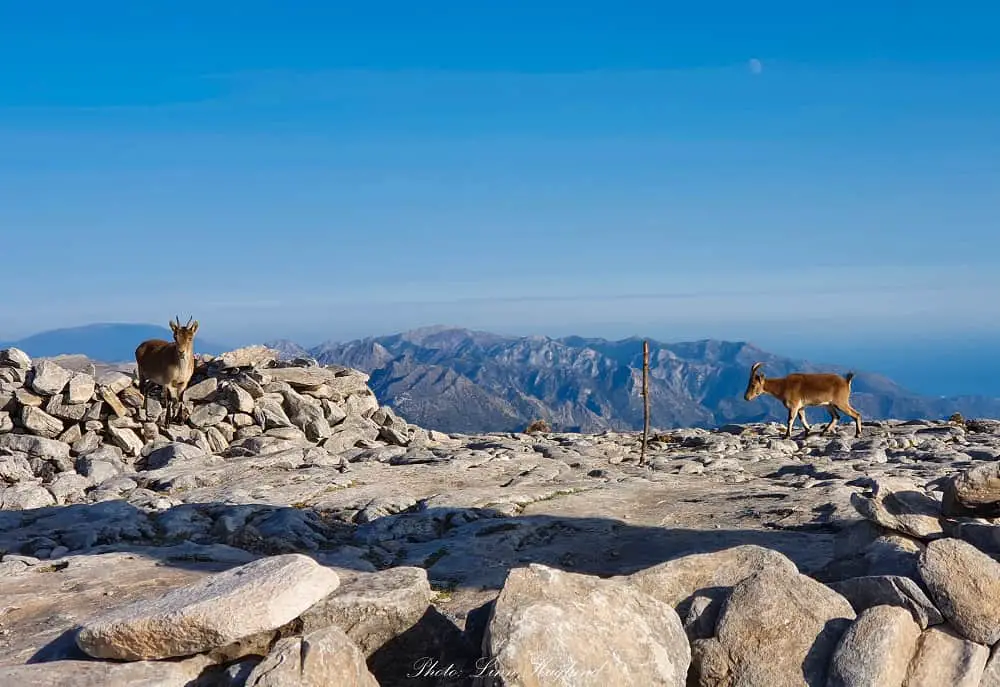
(107, 341)
(460, 380)
(464, 381)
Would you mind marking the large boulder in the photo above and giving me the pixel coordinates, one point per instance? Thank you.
(776, 629)
(965, 584)
(318, 659)
(876, 650)
(550, 627)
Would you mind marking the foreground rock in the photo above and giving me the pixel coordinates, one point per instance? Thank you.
(899, 505)
(965, 584)
(552, 628)
(889, 590)
(45, 602)
(318, 659)
(101, 674)
(876, 650)
(372, 608)
(776, 629)
(240, 602)
(974, 492)
(709, 575)
(945, 658)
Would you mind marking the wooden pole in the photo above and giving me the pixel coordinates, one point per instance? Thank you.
(645, 401)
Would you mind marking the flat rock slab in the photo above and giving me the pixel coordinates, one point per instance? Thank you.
(105, 674)
(900, 506)
(43, 603)
(213, 612)
(889, 590)
(550, 627)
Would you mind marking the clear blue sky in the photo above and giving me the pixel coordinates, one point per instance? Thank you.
(798, 174)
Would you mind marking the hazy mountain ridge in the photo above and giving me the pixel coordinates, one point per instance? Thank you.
(461, 380)
(110, 342)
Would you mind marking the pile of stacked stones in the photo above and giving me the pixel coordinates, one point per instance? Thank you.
(240, 403)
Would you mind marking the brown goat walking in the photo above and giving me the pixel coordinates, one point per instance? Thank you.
(800, 390)
(169, 364)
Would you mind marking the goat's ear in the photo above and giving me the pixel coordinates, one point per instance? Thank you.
(194, 326)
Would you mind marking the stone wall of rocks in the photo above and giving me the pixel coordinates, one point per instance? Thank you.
(243, 402)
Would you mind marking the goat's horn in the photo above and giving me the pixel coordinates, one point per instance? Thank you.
(190, 320)
(755, 367)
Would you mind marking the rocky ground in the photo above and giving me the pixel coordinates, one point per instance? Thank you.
(294, 532)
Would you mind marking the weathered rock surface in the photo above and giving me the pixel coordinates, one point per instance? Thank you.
(45, 601)
(372, 608)
(945, 658)
(316, 659)
(876, 650)
(899, 505)
(48, 378)
(105, 674)
(889, 590)
(253, 598)
(991, 675)
(974, 492)
(776, 628)
(965, 584)
(710, 574)
(549, 627)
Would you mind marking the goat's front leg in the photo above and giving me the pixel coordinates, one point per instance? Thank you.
(834, 417)
(143, 389)
(793, 411)
(168, 404)
(178, 406)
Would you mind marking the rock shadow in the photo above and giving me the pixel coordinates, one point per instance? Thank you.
(461, 548)
(475, 548)
(467, 547)
(196, 535)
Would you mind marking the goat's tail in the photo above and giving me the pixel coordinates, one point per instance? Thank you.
(849, 376)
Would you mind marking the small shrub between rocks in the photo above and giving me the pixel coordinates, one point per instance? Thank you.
(538, 427)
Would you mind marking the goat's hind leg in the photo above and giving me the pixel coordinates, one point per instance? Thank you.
(847, 408)
(143, 385)
(834, 418)
(802, 418)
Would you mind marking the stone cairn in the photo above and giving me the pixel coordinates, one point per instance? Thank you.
(243, 402)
